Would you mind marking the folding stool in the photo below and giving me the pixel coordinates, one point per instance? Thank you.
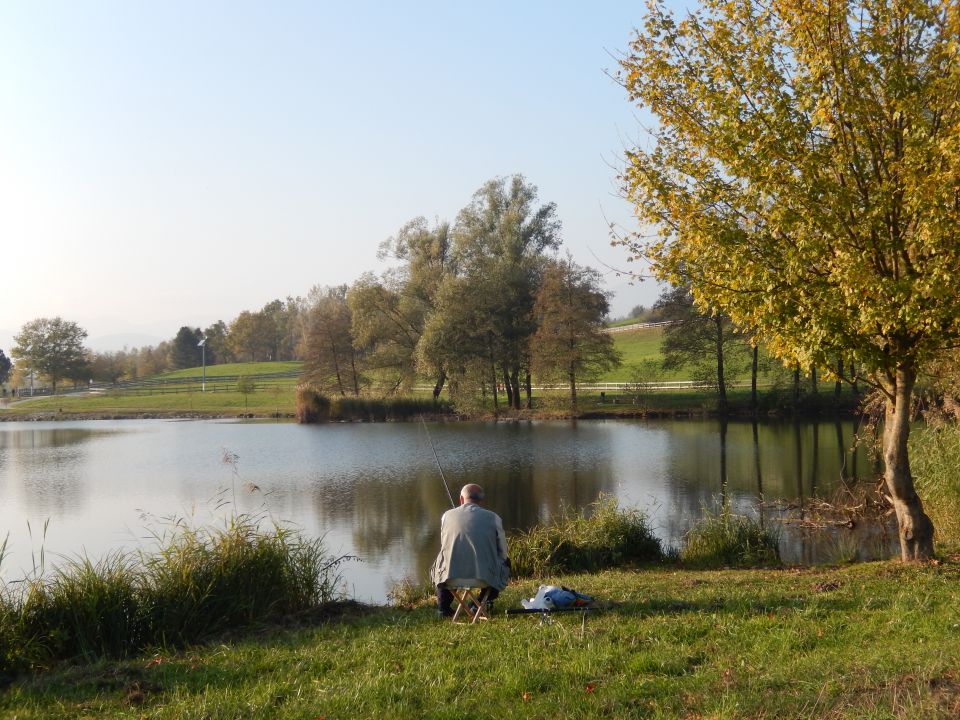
(466, 592)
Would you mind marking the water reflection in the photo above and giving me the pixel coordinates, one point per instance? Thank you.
(376, 492)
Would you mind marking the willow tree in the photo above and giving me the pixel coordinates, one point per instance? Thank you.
(389, 312)
(805, 179)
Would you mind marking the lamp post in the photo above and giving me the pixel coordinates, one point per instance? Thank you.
(203, 348)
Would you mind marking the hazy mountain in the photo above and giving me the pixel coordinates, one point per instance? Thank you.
(118, 341)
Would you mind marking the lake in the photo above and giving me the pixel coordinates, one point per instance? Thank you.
(374, 490)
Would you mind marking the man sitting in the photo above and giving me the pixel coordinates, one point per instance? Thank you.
(472, 546)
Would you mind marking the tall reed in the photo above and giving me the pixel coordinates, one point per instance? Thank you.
(722, 539)
(314, 407)
(198, 582)
(600, 536)
(935, 463)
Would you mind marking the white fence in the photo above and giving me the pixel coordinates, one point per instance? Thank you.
(637, 326)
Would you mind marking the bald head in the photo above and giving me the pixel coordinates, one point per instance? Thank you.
(471, 493)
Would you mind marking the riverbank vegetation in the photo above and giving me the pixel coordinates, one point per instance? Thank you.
(195, 584)
(598, 537)
(313, 407)
(813, 642)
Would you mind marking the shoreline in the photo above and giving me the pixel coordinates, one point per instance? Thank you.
(523, 415)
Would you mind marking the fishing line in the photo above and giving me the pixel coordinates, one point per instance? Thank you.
(437, 458)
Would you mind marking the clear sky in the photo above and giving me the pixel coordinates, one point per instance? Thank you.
(173, 163)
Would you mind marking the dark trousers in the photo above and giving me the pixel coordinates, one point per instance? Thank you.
(445, 598)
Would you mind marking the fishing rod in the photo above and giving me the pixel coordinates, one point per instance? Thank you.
(439, 466)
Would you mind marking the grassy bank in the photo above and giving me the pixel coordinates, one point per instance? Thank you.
(866, 641)
(261, 402)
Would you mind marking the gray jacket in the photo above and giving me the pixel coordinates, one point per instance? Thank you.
(472, 545)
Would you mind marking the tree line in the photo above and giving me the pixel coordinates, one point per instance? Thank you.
(478, 306)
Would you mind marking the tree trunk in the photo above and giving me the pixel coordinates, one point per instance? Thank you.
(507, 385)
(753, 378)
(438, 387)
(916, 530)
(353, 370)
(336, 367)
(572, 378)
(838, 385)
(493, 381)
(796, 386)
(813, 379)
(721, 384)
(529, 385)
(515, 382)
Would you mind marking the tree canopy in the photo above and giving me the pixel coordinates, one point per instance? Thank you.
(185, 351)
(499, 245)
(805, 180)
(570, 309)
(52, 347)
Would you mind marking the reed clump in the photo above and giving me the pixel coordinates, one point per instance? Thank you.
(603, 535)
(314, 407)
(724, 539)
(198, 583)
(311, 406)
(934, 461)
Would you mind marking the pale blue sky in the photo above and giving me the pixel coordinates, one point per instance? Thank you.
(174, 163)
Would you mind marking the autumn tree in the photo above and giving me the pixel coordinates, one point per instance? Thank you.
(218, 347)
(570, 309)
(332, 362)
(52, 347)
(805, 179)
(107, 366)
(252, 336)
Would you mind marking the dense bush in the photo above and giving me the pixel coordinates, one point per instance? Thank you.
(723, 539)
(601, 536)
(198, 583)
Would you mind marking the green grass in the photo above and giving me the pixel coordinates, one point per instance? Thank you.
(636, 346)
(873, 640)
(227, 369)
(262, 402)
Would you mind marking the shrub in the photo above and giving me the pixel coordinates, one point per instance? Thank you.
(724, 539)
(602, 535)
